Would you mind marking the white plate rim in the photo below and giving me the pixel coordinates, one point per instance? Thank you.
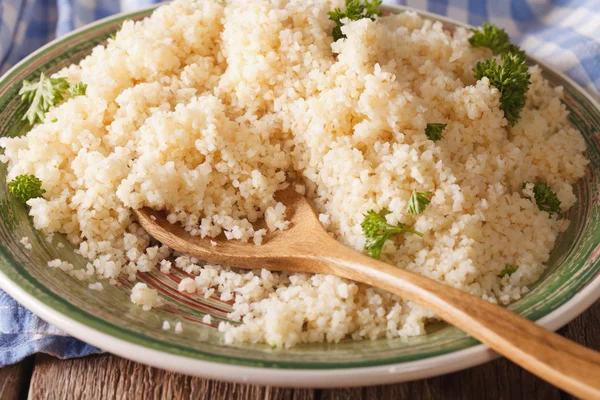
(331, 378)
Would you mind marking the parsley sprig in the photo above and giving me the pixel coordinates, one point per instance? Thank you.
(42, 95)
(511, 78)
(418, 201)
(25, 187)
(354, 11)
(434, 131)
(45, 93)
(377, 230)
(509, 269)
(545, 198)
(78, 89)
(496, 39)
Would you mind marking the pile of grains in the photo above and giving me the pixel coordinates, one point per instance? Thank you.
(204, 108)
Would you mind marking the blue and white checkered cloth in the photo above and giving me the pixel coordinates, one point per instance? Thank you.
(22, 333)
(563, 33)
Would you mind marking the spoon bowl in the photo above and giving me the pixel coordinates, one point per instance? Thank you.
(303, 224)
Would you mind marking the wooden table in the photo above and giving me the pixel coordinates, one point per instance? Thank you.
(111, 377)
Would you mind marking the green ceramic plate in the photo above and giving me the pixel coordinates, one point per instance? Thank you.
(108, 320)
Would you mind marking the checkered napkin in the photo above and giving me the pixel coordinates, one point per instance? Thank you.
(563, 33)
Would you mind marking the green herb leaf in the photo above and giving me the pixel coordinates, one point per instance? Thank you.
(494, 38)
(434, 131)
(113, 35)
(511, 79)
(78, 89)
(545, 198)
(377, 231)
(25, 187)
(42, 95)
(418, 201)
(509, 269)
(354, 11)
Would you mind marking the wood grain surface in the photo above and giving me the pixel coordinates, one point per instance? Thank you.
(14, 380)
(111, 377)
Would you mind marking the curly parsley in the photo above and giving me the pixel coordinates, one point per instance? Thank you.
(434, 131)
(25, 187)
(78, 89)
(509, 269)
(545, 198)
(496, 39)
(354, 11)
(511, 78)
(377, 230)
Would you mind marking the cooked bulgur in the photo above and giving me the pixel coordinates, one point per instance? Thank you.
(203, 110)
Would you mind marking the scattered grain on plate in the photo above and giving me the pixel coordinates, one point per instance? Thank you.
(144, 296)
(89, 269)
(60, 264)
(79, 274)
(165, 266)
(203, 109)
(26, 243)
(178, 327)
(67, 267)
(187, 285)
(96, 286)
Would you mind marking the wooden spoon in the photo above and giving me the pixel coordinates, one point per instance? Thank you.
(307, 247)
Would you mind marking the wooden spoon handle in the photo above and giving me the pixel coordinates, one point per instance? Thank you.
(571, 367)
